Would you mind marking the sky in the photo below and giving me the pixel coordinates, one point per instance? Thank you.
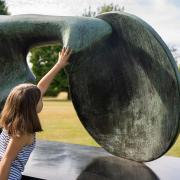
(162, 15)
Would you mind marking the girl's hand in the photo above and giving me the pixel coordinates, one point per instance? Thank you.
(64, 56)
(46, 80)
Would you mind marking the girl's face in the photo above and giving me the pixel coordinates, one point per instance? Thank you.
(39, 106)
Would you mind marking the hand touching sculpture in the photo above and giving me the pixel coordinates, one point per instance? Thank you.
(63, 59)
(64, 56)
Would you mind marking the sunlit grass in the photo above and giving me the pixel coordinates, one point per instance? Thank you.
(60, 123)
(175, 150)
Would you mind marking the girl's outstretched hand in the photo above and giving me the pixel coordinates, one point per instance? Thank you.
(46, 80)
(64, 56)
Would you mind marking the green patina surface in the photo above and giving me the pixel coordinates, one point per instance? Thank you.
(129, 100)
(19, 33)
(123, 78)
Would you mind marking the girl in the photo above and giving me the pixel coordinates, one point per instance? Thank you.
(20, 121)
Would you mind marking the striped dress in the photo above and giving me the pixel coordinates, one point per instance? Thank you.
(19, 163)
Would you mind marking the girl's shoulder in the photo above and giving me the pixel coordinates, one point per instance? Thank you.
(26, 139)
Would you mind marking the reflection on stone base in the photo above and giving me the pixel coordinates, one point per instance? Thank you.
(54, 160)
(114, 168)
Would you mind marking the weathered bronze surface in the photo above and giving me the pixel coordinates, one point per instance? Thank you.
(125, 90)
(123, 79)
(20, 33)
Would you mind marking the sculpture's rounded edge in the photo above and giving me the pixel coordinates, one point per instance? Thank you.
(170, 57)
(157, 37)
(83, 117)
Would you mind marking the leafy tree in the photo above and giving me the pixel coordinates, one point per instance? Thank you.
(42, 60)
(102, 9)
(3, 8)
(110, 7)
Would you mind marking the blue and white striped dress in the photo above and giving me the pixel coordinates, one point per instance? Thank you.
(19, 163)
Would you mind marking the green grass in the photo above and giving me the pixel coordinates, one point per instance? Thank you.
(175, 150)
(60, 123)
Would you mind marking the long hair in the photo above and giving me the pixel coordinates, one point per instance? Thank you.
(19, 114)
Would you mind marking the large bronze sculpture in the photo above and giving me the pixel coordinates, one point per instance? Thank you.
(123, 79)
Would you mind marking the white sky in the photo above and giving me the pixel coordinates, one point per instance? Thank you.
(162, 15)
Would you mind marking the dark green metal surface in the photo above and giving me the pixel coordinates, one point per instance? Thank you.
(128, 98)
(19, 33)
(123, 79)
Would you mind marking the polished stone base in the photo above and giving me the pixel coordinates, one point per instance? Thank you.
(54, 161)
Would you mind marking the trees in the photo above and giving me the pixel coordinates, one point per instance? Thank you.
(103, 9)
(109, 7)
(42, 60)
(3, 8)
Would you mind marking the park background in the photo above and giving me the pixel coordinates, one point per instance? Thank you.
(58, 117)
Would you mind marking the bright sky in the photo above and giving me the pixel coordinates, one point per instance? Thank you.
(162, 15)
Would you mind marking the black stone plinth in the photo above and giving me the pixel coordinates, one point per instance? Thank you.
(54, 160)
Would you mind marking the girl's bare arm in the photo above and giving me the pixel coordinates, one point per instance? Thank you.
(14, 146)
(61, 63)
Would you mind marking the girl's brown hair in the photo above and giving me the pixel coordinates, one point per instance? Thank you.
(19, 114)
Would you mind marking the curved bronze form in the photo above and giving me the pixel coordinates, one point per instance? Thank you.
(128, 96)
(19, 33)
(123, 79)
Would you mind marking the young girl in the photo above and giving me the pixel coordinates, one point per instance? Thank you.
(20, 121)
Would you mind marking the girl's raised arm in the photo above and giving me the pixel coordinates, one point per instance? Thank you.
(61, 63)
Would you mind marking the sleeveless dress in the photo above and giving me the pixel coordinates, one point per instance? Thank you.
(19, 163)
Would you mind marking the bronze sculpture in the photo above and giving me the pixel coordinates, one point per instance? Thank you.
(123, 79)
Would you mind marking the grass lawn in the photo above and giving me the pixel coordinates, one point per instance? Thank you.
(60, 123)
